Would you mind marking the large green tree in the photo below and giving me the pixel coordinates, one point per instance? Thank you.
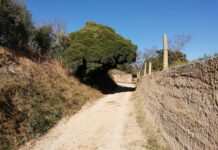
(95, 49)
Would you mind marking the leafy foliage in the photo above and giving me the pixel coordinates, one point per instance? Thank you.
(18, 32)
(15, 24)
(43, 37)
(97, 48)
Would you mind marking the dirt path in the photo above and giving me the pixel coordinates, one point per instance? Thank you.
(109, 124)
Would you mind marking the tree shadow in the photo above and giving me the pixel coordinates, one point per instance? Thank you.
(121, 89)
(103, 82)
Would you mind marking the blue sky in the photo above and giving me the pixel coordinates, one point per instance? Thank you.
(142, 21)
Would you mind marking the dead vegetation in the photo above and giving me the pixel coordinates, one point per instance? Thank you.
(34, 97)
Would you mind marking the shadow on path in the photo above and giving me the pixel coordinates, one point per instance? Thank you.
(121, 89)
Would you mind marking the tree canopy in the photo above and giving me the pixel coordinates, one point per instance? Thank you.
(97, 48)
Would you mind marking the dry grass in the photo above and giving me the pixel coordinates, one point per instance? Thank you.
(151, 132)
(34, 97)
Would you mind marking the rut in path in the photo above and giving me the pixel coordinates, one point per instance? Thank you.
(109, 124)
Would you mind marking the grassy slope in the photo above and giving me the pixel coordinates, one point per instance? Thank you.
(34, 97)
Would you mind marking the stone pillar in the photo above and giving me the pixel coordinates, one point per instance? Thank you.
(165, 52)
(150, 68)
(145, 69)
(138, 76)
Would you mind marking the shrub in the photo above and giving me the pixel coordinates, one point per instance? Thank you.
(44, 37)
(15, 24)
(18, 32)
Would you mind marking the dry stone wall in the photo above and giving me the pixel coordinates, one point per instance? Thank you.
(184, 104)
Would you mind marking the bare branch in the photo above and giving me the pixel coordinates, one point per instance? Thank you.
(59, 26)
(150, 53)
(139, 60)
(178, 42)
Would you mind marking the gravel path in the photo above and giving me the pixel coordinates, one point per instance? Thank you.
(109, 124)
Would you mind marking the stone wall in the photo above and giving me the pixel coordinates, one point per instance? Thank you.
(183, 102)
(123, 78)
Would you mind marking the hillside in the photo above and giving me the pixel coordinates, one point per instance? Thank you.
(34, 97)
(182, 103)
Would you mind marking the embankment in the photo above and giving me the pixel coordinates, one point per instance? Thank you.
(183, 103)
(34, 97)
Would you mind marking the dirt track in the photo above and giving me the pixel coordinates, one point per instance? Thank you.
(109, 124)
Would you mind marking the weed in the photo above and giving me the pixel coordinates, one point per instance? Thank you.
(80, 99)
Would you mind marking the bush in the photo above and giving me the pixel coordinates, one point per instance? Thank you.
(43, 37)
(15, 25)
(18, 32)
